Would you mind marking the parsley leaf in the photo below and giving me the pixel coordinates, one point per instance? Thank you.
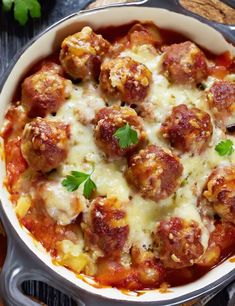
(224, 147)
(88, 188)
(184, 182)
(7, 4)
(75, 179)
(126, 136)
(22, 8)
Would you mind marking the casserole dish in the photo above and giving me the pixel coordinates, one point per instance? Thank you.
(15, 272)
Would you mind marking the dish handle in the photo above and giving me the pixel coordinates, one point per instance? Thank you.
(228, 31)
(22, 265)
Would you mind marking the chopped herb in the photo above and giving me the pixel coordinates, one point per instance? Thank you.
(224, 147)
(75, 179)
(22, 8)
(88, 188)
(184, 182)
(126, 136)
(202, 86)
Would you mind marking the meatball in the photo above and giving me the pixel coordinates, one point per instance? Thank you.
(141, 34)
(45, 144)
(178, 242)
(125, 79)
(82, 53)
(222, 239)
(149, 270)
(107, 121)
(221, 99)
(108, 229)
(188, 130)
(184, 63)
(220, 192)
(154, 172)
(45, 91)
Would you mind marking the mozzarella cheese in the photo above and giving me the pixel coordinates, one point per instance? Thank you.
(61, 205)
(84, 155)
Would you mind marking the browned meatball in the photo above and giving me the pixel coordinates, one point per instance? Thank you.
(107, 121)
(125, 79)
(82, 53)
(154, 172)
(178, 242)
(141, 34)
(108, 229)
(45, 144)
(45, 91)
(184, 63)
(150, 272)
(188, 130)
(220, 191)
(221, 242)
(138, 35)
(221, 99)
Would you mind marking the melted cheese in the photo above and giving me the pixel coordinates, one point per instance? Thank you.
(143, 215)
(60, 204)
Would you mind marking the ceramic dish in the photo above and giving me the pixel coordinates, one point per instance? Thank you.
(33, 262)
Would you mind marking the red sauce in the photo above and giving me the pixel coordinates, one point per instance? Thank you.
(48, 233)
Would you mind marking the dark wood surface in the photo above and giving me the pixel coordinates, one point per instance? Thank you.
(12, 38)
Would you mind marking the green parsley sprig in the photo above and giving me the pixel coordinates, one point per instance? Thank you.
(75, 179)
(126, 136)
(23, 8)
(225, 147)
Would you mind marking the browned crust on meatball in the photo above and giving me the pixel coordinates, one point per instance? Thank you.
(141, 34)
(154, 172)
(45, 144)
(149, 269)
(82, 53)
(221, 243)
(188, 130)
(138, 35)
(220, 192)
(125, 79)
(108, 228)
(45, 91)
(107, 121)
(221, 100)
(184, 63)
(178, 242)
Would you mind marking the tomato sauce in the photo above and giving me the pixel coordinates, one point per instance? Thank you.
(44, 229)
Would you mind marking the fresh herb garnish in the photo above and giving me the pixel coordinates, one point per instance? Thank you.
(75, 179)
(22, 8)
(184, 182)
(224, 147)
(126, 136)
(202, 86)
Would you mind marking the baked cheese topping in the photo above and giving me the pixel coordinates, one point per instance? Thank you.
(126, 223)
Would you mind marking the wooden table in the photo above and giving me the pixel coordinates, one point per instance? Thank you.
(13, 37)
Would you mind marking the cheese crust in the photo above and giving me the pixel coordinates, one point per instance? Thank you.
(120, 235)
